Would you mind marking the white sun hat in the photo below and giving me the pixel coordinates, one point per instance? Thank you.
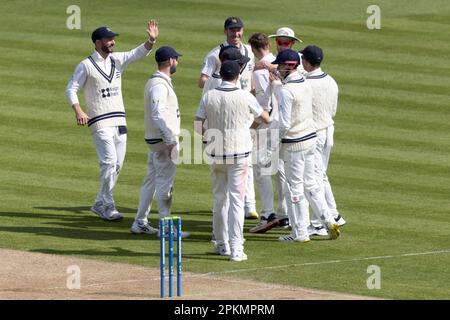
(285, 32)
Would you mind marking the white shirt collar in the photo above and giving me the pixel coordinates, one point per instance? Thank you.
(163, 75)
(97, 57)
(293, 76)
(228, 84)
(316, 72)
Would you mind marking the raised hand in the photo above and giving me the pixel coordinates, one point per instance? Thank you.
(152, 30)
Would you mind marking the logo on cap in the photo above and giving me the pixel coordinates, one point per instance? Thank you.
(233, 22)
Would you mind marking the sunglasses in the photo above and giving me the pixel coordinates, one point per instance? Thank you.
(284, 43)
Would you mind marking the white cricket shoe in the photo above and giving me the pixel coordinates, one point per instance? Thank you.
(291, 238)
(106, 212)
(98, 208)
(238, 256)
(340, 221)
(111, 213)
(223, 249)
(138, 228)
(317, 231)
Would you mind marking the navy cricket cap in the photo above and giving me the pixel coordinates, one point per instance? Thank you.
(233, 22)
(230, 68)
(312, 54)
(232, 53)
(102, 32)
(165, 53)
(287, 56)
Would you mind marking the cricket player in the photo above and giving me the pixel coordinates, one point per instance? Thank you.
(234, 31)
(230, 112)
(284, 39)
(298, 142)
(227, 53)
(324, 101)
(266, 95)
(100, 75)
(162, 130)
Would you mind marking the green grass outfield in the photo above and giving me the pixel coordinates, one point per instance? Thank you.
(389, 168)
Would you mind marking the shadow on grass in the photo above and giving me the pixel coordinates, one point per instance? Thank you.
(83, 209)
(120, 252)
(121, 209)
(83, 224)
(83, 233)
(106, 252)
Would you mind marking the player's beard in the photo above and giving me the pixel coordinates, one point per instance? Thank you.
(173, 69)
(235, 41)
(283, 73)
(107, 49)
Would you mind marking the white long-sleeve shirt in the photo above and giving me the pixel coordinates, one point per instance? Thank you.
(263, 92)
(286, 101)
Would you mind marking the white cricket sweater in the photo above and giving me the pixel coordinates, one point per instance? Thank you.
(297, 127)
(228, 111)
(101, 80)
(161, 112)
(325, 98)
(103, 96)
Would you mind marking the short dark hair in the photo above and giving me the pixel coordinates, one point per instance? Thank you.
(259, 40)
(313, 64)
(229, 70)
(162, 63)
(229, 77)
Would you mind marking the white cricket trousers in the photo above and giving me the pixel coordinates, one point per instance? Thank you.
(264, 150)
(323, 150)
(300, 182)
(158, 183)
(280, 179)
(266, 193)
(229, 184)
(111, 148)
(265, 188)
(250, 198)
